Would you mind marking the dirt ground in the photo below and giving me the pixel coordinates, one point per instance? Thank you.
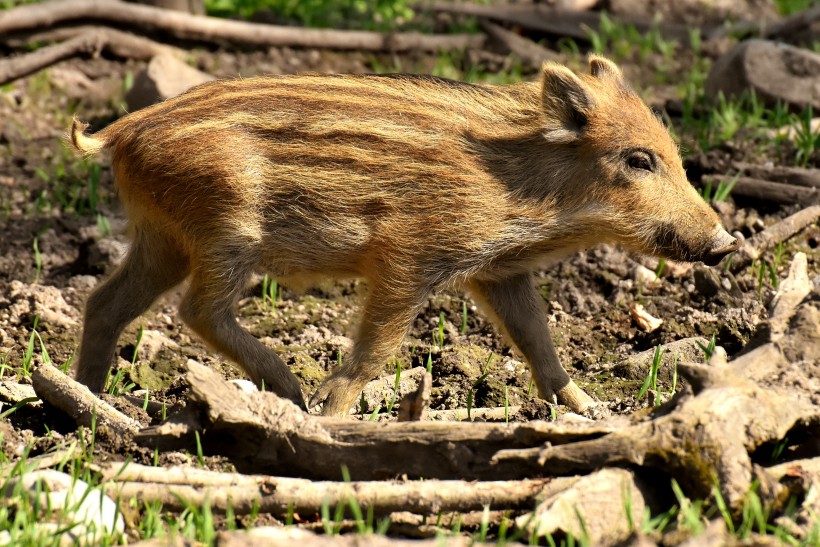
(45, 219)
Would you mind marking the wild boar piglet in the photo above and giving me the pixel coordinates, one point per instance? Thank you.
(410, 182)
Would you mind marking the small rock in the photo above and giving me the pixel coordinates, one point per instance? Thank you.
(644, 276)
(106, 253)
(636, 367)
(707, 282)
(773, 70)
(593, 507)
(695, 12)
(152, 342)
(163, 78)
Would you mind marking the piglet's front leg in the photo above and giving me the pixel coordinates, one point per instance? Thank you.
(515, 306)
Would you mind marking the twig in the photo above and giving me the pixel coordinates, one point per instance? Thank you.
(224, 31)
(82, 43)
(753, 247)
(528, 51)
(178, 487)
(793, 23)
(413, 406)
(809, 178)
(540, 17)
(279, 535)
(77, 401)
(764, 190)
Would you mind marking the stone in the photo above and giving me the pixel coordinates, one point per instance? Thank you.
(695, 12)
(775, 71)
(593, 508)
(163, 78)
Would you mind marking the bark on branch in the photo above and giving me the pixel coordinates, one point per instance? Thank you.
(262, 433)
(83, 41)
(178, 487)
(752, 248)
(77, 401)
(223, 31)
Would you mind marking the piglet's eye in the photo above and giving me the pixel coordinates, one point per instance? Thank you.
(639, 161)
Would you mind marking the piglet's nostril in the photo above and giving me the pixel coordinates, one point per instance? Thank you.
(723, 245)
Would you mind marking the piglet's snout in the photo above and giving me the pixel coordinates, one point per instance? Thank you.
(722, 245)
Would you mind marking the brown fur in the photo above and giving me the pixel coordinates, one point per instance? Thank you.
(409, 182)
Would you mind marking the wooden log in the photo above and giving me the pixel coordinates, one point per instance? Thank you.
(798, 176)
(262, 433)
(77, 401)
(179, 487)
(548, 19)
(768, 191)
(185, 26)
(89, 43)
(528, 51)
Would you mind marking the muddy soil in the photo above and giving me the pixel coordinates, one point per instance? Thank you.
(62, 231)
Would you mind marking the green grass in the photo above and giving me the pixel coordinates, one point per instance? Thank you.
(789, 7)
(651, 380)
(361, 14)
(71, 185)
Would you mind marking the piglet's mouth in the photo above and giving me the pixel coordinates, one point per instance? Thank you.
(672, 245)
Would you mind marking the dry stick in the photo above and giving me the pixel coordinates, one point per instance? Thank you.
(540, 17)
(289, 535)
(77, 401)
(752, 248)
(82, 43)
(212, 29)
(793, 23)
(178, 487)
(122, 44)
(773, 192)
(262, 433)
(528, 51)
(798, 176)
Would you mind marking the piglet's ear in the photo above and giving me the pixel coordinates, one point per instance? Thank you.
(566, 102)
(603, 68)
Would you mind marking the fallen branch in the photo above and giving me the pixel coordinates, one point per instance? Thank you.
(792, 24)
(545, 18)
(90, 42)
(528, 51)
(262, 433)
(270, 535)
(809, 178)
(752, 248)
(772, 192)
(185, 26)
(77, 401)
(180, 487)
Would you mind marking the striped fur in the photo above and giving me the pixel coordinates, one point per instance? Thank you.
(408, 181)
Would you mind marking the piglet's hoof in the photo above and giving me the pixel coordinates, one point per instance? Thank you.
(574, 397)
(337, 394)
